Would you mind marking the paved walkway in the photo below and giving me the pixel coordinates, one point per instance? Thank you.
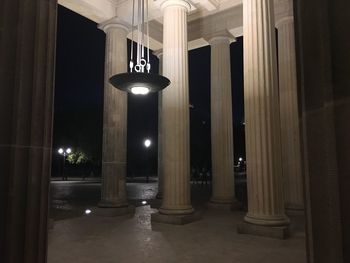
(89, 238)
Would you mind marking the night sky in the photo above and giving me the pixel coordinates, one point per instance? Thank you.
(79, 99)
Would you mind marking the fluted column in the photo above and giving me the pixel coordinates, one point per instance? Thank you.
(221, 120)
(114, 118)
(175, 110)
(159, 54)
(27, 63)
(263, 144)
(290, 138)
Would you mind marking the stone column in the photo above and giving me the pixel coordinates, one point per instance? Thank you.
(290, 134)
(221, 121)
(159, 54)
(323, 65)
(175, 115)
(27, 52)
(114, 121)
(263, 144)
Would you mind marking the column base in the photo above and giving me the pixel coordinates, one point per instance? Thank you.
(114, 211)
(216, 200)
(278, 232)
(175, 219)
(271, 221)
(294, 209)
(228, 206)
(179, 211)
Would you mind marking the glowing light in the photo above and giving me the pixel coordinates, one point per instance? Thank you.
(60, 151)
(69, 150)
(139, 90)
(87, 211)
(147, 143)
(240, 159)
(144, 202)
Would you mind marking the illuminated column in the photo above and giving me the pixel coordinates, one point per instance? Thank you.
(114, 119)
(291, 152)
(263, 144)
(159, 54)
(221, 121)
(175, 115)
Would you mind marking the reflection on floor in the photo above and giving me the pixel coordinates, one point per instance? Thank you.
(79, 237)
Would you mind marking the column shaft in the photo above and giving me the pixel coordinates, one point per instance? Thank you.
(263, 145)
(114, 120)
(221, 122)
(27, 52)
(175, 111)
(159, 54)
(290, 137)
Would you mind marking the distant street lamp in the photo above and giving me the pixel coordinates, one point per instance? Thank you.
(241, 163)
(64, 152)
(147, 143)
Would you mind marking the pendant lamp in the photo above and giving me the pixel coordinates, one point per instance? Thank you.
(139, 80)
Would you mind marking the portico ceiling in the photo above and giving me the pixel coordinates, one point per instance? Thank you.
(205, 18)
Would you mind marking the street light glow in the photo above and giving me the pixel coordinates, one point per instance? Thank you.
(69, 150)
(240, 159)
(147, 143)
(60, 151)
(87, 211)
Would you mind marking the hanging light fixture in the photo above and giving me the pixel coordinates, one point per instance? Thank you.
(139, 80)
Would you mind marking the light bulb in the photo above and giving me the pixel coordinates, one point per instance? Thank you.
(138, 90)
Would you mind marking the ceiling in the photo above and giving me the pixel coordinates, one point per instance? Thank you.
(205, 17)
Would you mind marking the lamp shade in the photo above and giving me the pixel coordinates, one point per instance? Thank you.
(128, 81)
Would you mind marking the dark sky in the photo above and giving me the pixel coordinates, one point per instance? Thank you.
(79, 97)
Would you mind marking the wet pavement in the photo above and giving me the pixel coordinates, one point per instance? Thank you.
(81, 237)
(71, 198)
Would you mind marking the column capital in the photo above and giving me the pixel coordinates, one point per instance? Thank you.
(114, 22)
(284, 21)
(158, 53)
(223, 36)
(162, 4)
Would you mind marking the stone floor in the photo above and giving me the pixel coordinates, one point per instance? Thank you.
(78, 237)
